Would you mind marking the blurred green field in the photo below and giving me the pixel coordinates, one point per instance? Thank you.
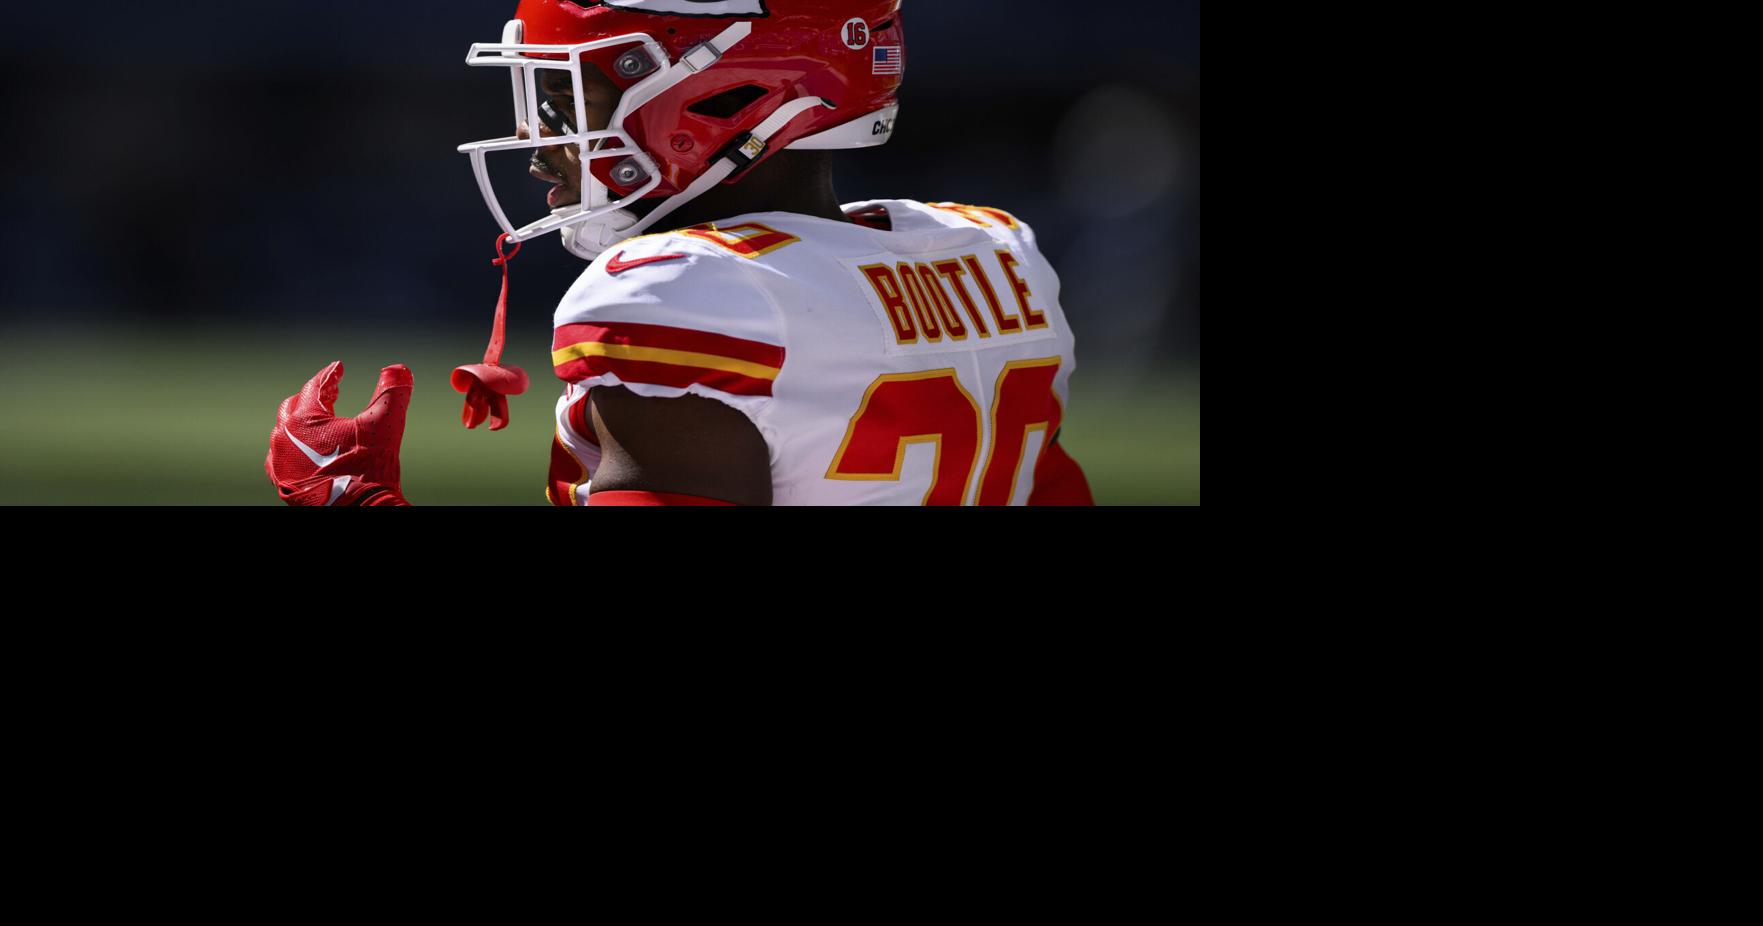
(142, 417)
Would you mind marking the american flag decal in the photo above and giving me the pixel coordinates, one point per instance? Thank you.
(888, 59)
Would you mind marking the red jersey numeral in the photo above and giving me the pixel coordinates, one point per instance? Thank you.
(1024, 403)
(901, 409)
(979, 215)
(913, 408)
(749, 239)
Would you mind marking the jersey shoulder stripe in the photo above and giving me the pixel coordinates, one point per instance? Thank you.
(666, 356)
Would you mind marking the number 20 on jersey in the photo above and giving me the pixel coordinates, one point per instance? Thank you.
(901, 409)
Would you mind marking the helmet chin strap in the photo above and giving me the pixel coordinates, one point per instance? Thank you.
(588, 240)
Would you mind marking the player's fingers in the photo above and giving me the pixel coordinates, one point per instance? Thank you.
(319, 397)
(391, 400)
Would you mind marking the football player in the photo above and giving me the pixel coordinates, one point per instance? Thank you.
(740, 337)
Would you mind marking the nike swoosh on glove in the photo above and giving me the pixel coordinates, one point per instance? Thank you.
(319, 460)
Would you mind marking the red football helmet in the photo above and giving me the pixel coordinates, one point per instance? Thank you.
(710, 87)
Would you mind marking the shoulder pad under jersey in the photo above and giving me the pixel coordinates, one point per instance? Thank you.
(996, 222)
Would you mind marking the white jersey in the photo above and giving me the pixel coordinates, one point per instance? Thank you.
(927, 364)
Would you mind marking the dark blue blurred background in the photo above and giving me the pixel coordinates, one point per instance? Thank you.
(207, 160)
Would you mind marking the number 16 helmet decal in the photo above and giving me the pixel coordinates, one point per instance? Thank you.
(709, 88)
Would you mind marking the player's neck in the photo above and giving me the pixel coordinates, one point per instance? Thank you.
(790, 181)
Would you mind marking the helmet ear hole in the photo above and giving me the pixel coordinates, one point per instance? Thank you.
(729, 103)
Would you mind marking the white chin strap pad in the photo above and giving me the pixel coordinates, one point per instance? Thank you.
(588, 240)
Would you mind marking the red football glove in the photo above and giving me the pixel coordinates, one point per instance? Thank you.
(317, 459)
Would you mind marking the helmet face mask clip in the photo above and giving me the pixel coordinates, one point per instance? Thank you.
(633, 64)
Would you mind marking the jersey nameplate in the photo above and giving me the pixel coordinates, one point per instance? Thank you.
(958, 301)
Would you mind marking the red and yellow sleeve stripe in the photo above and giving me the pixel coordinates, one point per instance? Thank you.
(664, 356)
